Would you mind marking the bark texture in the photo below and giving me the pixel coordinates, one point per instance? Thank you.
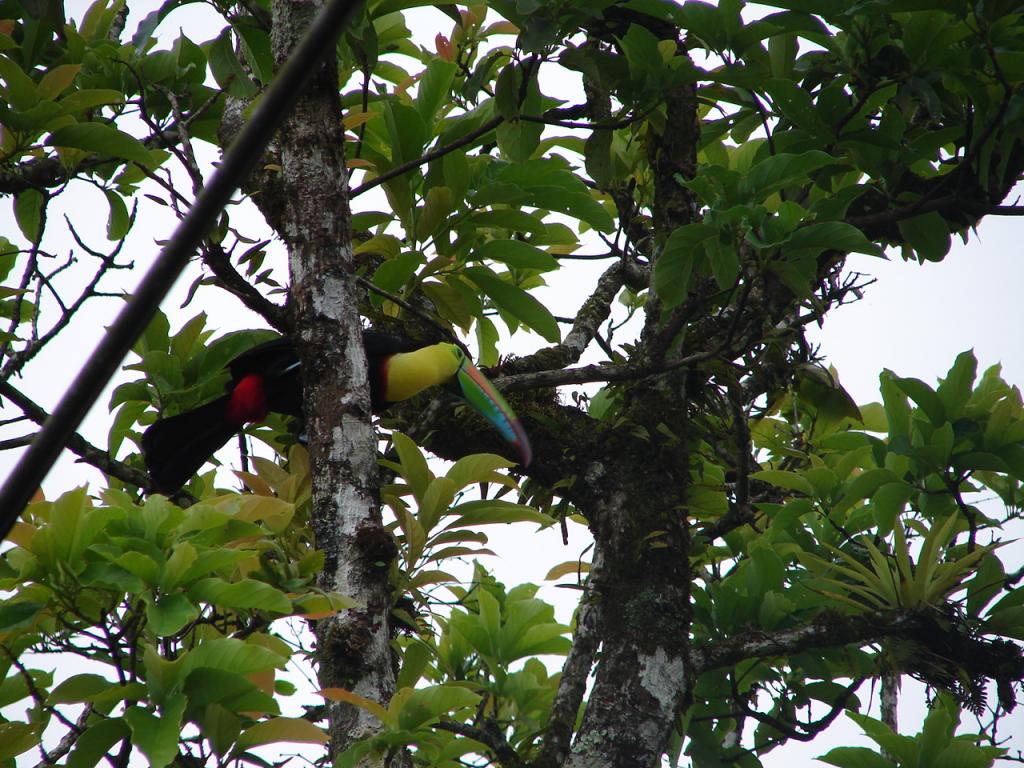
(640, 574)
(353, 647)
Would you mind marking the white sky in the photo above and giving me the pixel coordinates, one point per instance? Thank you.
(914, 320)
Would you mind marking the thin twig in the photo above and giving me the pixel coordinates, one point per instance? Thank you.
(404, 168)
(449, 334)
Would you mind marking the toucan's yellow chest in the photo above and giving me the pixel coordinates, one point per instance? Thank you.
(406, 374)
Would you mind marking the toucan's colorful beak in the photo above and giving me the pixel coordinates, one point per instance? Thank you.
(482, 395)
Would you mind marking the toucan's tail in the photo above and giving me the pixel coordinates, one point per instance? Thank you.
(176, 447)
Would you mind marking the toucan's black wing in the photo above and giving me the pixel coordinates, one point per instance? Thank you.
(176, 447)
(271, 358)
(381, 344)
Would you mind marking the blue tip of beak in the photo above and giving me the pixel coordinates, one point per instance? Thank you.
(487, 400)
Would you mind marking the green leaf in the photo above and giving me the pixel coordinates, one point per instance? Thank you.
(394, 273)
(961, 753)
(784, 479)
(414, 465)
(937, 731)
(226, 68)
(888, 502)
(370, 219)
(256, 47)
(517, 138)
(433, 215)
(508, 218)
(28, 207)
(280, 729)
(516, 301)
(783, 170)
(16, 738)
(820, 388)
(435, 84)
(452, 303)
(435, 502)
(168, 614)
(79, 688)
(220, 726)
(894, 400)
(955, 390)
(477, 468)
(987, 583)
(855, 757)
(407, 131)
(97, 741)
(157, 737)
(544, 183)
(927, 234)
(724, 261)
(517, 254)
(674, 268)
(78, 102)
(102, 139)
(579, 205)
(506, 90)
(118, 222)
(486, 342)
(19, 89)
(245, 594)
(645, 62)
(233, 655)
(205, 686)
(416, 657)
(925, 398)
(74, 525)
(864, 485)
(829, 235)
(18, 615)
(421, 706)
(795, 104)
(471, 514)
(57, 80)
(597, 155)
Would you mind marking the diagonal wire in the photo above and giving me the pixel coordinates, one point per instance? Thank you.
(247, 148)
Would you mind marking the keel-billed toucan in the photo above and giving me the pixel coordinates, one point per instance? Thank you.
(266, 378)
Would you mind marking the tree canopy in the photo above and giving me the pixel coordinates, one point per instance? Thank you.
(765, 549)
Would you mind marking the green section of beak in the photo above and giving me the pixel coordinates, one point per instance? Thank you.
(487, 400)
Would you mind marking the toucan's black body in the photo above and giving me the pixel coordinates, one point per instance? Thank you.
(176, 447)
(267, 379)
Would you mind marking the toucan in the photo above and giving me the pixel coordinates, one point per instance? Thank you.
(266, 379)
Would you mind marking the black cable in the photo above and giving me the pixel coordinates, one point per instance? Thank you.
(247, 148)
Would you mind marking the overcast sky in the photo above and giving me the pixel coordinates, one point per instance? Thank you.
(914, 320)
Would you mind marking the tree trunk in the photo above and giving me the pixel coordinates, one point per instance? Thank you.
(353, 647)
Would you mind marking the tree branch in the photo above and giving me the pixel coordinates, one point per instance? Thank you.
(828, 629)
(572, 685)
(82, 448)
(48, 172)
(219, 263)
(951, 204)
(591, 315)
(17, 360)
(589, 373)
(490, 736)
(793, 729)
